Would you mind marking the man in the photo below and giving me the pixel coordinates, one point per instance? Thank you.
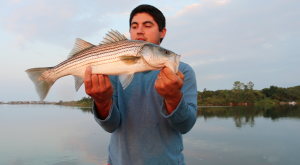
(148, 118)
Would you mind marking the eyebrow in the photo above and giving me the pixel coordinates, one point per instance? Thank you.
(143, 22)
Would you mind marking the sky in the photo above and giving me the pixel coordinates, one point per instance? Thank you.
(223, 40)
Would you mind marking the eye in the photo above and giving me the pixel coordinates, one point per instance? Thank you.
(166, 52)
(148, 25)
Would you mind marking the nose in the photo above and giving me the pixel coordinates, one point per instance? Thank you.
(140, 30)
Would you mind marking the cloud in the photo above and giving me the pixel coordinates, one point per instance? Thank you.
(201, 62)
(214, 77)
(223, 38)
(224, 41)
(187, 9)
(234, 24)
(267, 46)
(58, 22)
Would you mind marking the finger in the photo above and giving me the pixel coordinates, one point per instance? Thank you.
(168, 73)
(87, 78)
(95, 83)
(180, 75)
(158, 80)
(158, 76)
(165, 78)
(101, 82)
(159, 84)
(107, 81)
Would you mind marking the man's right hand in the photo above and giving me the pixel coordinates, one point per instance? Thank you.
(99, 87)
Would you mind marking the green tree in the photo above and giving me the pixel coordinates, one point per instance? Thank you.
(237, 85)
(246, 87)
(250, 85)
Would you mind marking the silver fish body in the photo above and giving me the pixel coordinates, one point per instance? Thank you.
(114, 56)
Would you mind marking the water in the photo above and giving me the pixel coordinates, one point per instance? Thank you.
(245, 135)
(60, 135)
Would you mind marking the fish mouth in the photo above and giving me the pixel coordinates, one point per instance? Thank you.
(175, 63)
(177, 59)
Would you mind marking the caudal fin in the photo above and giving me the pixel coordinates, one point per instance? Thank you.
(42, 81)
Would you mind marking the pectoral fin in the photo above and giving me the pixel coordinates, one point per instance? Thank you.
(125, 79)
(130, 60)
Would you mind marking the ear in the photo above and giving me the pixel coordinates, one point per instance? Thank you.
(163, 33)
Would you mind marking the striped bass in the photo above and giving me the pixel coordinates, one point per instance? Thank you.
(115, 55)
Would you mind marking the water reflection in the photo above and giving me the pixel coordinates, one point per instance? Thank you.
(244, 115)
(220, 136)
(56, 135)
(86, 109)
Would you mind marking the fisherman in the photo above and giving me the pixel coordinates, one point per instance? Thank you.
(148, 118)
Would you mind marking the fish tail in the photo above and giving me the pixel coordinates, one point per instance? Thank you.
(41, 77)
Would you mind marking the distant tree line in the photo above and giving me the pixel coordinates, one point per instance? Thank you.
(246, 115)
(240, 93)
(282, 94)
(85, 101)
(244, 93)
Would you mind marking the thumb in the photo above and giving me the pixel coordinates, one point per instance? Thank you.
(180, 75)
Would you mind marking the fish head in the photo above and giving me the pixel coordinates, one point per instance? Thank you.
(159, 57)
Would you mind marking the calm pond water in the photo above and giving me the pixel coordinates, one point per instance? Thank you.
(60, 135)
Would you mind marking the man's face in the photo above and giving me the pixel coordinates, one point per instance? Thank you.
(143, 27)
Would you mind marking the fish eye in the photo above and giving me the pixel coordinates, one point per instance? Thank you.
(166, 52)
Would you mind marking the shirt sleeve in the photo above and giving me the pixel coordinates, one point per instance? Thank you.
(112, 122)
(184, 116)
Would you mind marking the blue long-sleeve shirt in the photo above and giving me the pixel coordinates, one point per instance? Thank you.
(143, 133)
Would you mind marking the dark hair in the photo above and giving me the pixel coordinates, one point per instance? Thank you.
(157, 15)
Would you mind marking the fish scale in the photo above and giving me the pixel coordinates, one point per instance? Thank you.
(98, 56)
(114, 56)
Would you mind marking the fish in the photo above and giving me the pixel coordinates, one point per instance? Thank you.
(115, 55)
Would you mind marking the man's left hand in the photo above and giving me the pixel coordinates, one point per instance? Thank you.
(169, 85)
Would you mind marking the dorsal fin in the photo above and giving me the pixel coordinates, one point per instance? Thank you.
(79, 46)
(113, 36)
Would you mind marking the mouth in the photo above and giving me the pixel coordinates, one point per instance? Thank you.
(141, 39)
